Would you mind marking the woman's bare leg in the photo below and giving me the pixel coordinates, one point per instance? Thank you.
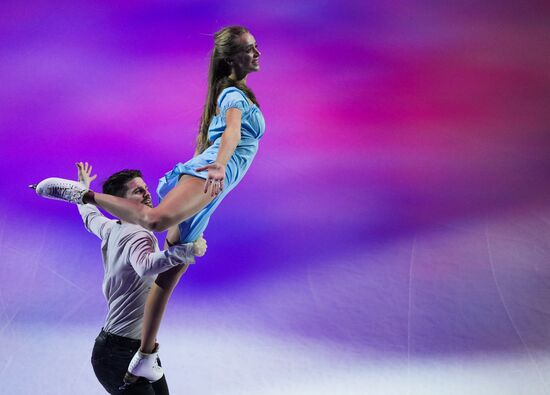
(158, 297)
(185, 200)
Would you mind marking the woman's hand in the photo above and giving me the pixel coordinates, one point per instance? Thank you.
(84, 172)
(216, 175)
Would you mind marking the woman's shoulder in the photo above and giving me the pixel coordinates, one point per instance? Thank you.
(231, 91)
(232, 94)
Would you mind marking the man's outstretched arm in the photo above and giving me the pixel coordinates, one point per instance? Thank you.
(146, 261)
(94, 221)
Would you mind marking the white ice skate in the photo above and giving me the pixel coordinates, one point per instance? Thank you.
(61, 189)
(144, 365)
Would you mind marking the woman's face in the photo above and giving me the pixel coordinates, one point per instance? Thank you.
(247, 60)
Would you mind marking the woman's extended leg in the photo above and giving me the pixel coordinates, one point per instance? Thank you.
(158, 297)
(185, 200)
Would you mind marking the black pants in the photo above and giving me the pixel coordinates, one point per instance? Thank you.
(110, 359)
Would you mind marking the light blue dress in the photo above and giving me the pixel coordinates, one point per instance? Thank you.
(252, 129)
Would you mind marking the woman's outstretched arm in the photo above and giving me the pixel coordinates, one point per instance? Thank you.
(230, 139)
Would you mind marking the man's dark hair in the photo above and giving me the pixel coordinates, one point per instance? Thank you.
(116, 184)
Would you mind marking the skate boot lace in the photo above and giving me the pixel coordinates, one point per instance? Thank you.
(58, 191)
(65, 192)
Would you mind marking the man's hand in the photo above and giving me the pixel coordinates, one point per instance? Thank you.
(199, 246)
(84, 172)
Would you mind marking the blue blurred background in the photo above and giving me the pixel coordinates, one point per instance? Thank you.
(392, 235)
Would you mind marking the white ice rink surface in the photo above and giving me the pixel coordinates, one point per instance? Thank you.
(203, 360)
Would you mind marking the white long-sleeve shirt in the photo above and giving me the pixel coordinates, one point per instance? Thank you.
(131, 260)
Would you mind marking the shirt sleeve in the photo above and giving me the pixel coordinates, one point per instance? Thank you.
(232, 98)
(94, 221)
(147, 261)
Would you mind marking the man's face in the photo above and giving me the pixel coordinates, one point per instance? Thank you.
(138, 192)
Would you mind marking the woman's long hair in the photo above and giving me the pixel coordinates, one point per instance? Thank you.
(226, 44)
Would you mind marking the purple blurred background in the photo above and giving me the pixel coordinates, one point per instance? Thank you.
(392, 235)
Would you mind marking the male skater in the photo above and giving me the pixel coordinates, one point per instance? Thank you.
(131, 259)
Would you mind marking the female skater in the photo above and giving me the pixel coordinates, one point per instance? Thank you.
(231, 126)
